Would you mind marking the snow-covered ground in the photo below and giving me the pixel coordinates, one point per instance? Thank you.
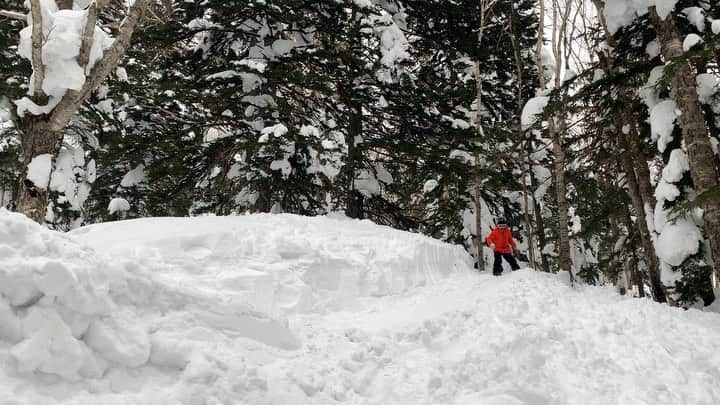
(280, 309)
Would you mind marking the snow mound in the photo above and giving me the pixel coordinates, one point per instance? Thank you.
(280, 263)
(280, 309)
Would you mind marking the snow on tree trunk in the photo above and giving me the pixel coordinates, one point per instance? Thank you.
(38, 140)
(703, 168)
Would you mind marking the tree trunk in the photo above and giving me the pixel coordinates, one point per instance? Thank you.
(354, 199)
(539, 226)
(37, 139)
(560, 193)
(480, 243)
(646, 240)
(701, 157)
(529, 231)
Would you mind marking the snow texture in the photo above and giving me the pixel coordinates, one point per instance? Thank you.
(280, 309)
(38, 171)
(696, 17)
(134, 177)
(534, 107)
(62, 39)
(707, 87)
(690, 41)
(678, 240)
(676, 166)
(430, 185)
(619, 13)
(662, 123)
(118, 205)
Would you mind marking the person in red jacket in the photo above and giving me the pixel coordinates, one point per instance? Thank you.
(501, 242)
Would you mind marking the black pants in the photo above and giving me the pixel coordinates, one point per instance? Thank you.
(497, 265)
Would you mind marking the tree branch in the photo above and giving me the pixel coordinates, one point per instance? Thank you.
(88, 36)
(72, 100)
(13, 15)
(37, 43)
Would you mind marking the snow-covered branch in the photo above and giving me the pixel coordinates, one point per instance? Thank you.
(13, 15)
(72, 100)
(88, 35)
(37, 43)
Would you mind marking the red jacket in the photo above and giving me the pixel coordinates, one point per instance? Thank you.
(502, 239)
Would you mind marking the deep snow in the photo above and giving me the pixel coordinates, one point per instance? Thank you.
(280, 309)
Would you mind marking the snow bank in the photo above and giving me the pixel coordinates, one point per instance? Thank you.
(281, 263)
(280, 309)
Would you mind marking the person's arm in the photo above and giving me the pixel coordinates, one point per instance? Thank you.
(490, 240)
(512, 241)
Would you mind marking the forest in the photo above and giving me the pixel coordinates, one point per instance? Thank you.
(592, 127)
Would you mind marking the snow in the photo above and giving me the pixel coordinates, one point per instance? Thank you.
(678, 240)
(71, 179)
(532, 109)
(662, 123)
(715, 27)
(666, 191)
(619, 13)
(649, 92)
(696, 17)
(676, 166)
(653, 48)
(38, 171)
(118, 205)
(690, 41)
(707, 85)
(277, 130)
(62, 39)
(430, 185)
(664, 7)
(281, 309)
(134, 177)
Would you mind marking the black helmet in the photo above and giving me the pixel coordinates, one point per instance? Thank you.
(501, 222)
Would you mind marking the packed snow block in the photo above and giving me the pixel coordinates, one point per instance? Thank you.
(119, 340)
(51, 290)
(49, 346)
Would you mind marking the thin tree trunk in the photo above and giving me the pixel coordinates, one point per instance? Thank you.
(542, 240)
(646, 241)
(354, 204)
(637, 174)
(478, 175)
(560, 191)
(528, 223)
(526, 165)
(701, 157)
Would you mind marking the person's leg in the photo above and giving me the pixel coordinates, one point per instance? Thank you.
(497, 264)
(511, 259)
